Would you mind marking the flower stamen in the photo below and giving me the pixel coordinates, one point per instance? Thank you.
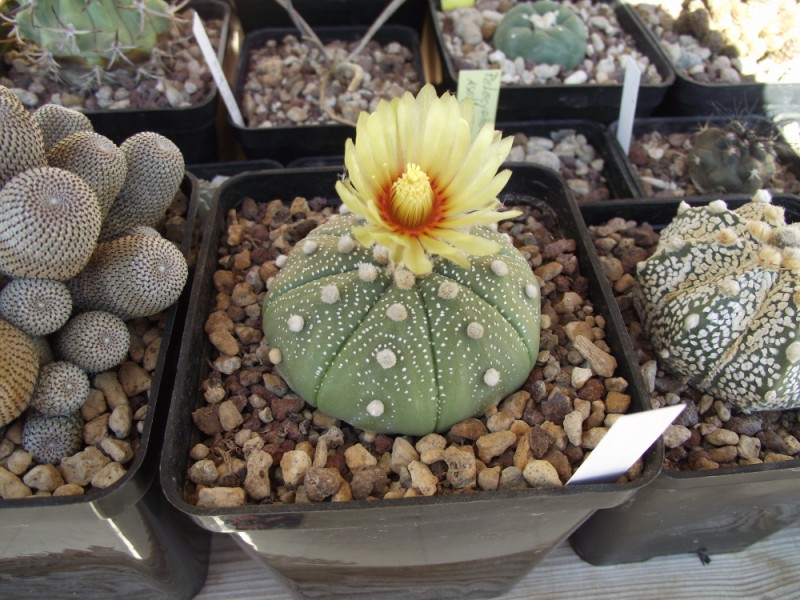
(411, 199)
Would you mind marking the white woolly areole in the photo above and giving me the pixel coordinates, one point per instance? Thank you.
(404, 279)
(280, 261)
(664, 353)
(793, 352)
(507, 237)
(499, 267)
(367, 272)
(691, 321)
(386, 358)
(397, 312)
(729, 287)
(683, 207)
(718, 206)
(275, 356)
(762, 196)
(329, 294)
(760, 230)
(345, 244)
(532, 291)
(296, 323)
(770, 396)
(727, 237)
(343, 210)
(674, 244)
(309, 246)
(774, 215)
(491, 377)
(475, 330)
(375, 408)
(770, 257)
(448, 290)
(380, 254)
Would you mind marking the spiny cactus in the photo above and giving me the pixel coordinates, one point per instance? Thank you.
(720, 301)
(93, 340)
(21, 141)
(542, 32)
(19, 368)
(51, 224)
(392, 353)
(57, 122)
(61, 389)
(79, 37)
(36, 306)
(732, 159)
(49, 438)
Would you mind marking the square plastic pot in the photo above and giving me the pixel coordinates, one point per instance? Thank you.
(288, 142)
(192, 129)
(460, 545)
(706, 512)
(592, 101)
(125, 541)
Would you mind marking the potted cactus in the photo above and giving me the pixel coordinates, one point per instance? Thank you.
(715, 325)
(129, 67)
(374, 386)
(87, 305)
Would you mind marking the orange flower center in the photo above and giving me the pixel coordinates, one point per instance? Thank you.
(411, 201)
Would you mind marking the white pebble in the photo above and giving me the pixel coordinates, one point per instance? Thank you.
(275, 356)
(578, 77)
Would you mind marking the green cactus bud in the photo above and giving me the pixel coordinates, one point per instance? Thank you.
(390, 352)
(731, 159)
(97, 33)
(720, 301)
(543, 32)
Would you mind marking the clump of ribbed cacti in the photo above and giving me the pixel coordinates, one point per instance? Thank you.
(720, 302)
(731, 159)
(543, 32)
(85, 42)
(81, 257)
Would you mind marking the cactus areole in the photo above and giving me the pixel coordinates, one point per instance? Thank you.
(720, 301)
(408, 313)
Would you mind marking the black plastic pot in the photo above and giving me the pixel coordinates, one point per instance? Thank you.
(690, 97)
(461, 545)
(286, 143)
(192, 129)
(258, 14)
(705, 512)
(595, 102)
(690, 124)
(122, 542)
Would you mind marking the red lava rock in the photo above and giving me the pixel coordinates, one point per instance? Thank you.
(282, 407)
(206, 419)
(540, 441)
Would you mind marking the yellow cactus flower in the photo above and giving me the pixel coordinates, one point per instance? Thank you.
(421, 180)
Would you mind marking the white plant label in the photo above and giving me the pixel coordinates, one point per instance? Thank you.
(216, 70)
(628, 438)
(627, 105)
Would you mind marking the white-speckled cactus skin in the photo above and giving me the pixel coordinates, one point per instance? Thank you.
(393, 359)
(720, 304)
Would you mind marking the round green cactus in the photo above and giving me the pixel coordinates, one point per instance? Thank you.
(388, 351)
(720, 301)
(97, 33)
(543, 32)
(731, 159)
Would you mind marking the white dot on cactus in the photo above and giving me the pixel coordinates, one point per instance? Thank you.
(532, 291)
(367, 272)
(309, 246)
(718, 206)
(448, 290)
(380, 254)
(762, 196)
(793, 352)
(404, 279)
(683, 207)
(386, 358)
(375, 408)
(774, 215)
(499, 267)
(397, 312)
(296, 323)
(491, 377)
(345, 244)
(475, 330)
(729, 287)
(275, 356)
(280, 261)
(727, 237)
(691, 321)
(329, 294)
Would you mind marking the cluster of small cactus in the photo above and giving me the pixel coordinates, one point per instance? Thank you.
(78, 265)
(543, 32)
(731, 159)
(720, 301)
(388, 351)
(87, 41)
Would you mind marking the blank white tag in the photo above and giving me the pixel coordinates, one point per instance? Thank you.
(627, 105)
(629, 438)
(216, 70)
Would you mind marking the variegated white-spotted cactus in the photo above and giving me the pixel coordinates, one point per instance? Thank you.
(389, 351)
(719, 300)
